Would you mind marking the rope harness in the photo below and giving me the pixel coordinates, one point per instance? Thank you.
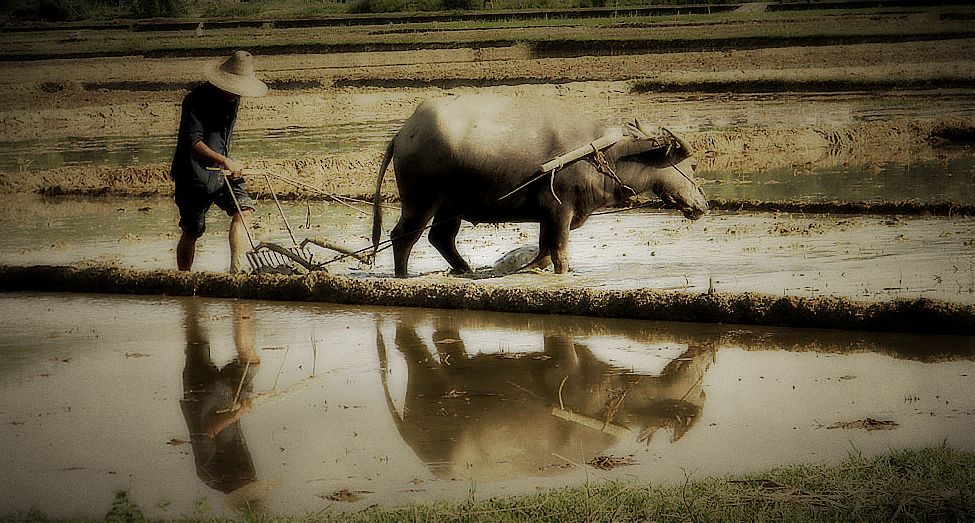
(602, 165)
(591, 152)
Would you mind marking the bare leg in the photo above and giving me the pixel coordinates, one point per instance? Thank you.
(244, 333)
(442, 236)
(239, 243)
(185, 252)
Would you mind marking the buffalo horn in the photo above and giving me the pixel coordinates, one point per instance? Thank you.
(643, 139)
(688, 150)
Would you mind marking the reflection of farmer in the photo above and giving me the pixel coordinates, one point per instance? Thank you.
(203, 149)
(215, 400)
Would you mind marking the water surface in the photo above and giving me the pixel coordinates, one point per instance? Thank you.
(862, 257)
(951, 180)
(194, 405)
(123, 151)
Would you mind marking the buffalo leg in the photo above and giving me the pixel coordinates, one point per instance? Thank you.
(544, 257)
(404, 236)
(553, 244)
(560, 242)
(540, 263)
(442, 236)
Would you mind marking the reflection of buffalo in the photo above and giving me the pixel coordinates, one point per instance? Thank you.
(471, 414)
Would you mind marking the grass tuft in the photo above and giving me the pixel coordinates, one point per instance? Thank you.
(931, 484)
(928, 484)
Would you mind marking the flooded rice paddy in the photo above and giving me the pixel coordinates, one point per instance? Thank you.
(198, 406)
(42, 154)
(863, 257)
(204, 406)
(331, 133)
(922, 182)
(952, 179)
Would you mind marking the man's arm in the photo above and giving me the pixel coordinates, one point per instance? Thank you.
(202, 150)
(221, 421)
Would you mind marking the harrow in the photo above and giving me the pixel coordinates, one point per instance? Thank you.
(271, 258)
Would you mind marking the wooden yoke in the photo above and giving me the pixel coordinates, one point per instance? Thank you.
(550, 167)
(607, 140)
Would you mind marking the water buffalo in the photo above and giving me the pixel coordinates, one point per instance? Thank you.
(469, 157)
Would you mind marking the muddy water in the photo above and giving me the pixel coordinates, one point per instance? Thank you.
(944, 181)
(361, 123)
(865, 257)
(104, 393)
(722, 111)
(368, 128)
(140, 150)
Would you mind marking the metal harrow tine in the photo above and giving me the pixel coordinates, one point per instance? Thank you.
(254, 260)
(303, 253)
(270, 257)
(265, 260)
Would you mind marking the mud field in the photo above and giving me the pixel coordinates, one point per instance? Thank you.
(898, 92)
(832, 287)
(812, 137)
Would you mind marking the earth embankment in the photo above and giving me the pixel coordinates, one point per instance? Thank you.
(919, 315)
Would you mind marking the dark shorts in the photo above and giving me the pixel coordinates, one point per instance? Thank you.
(193, 206)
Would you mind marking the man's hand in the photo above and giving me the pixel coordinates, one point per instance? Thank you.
(236, 168)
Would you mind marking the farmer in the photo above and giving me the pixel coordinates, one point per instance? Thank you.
(202, 158)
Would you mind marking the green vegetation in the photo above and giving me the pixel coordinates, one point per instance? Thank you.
(933, 484)
(60, 10)
(74, 10)
(93, 10)
(395, 6)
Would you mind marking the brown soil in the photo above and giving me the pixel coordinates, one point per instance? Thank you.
(63, 99)
(139, 96)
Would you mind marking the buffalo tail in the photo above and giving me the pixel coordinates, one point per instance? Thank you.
(377, 210)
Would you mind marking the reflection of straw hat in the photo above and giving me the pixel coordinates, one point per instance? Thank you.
(236, 75)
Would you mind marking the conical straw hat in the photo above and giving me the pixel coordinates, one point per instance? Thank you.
(236, 75)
